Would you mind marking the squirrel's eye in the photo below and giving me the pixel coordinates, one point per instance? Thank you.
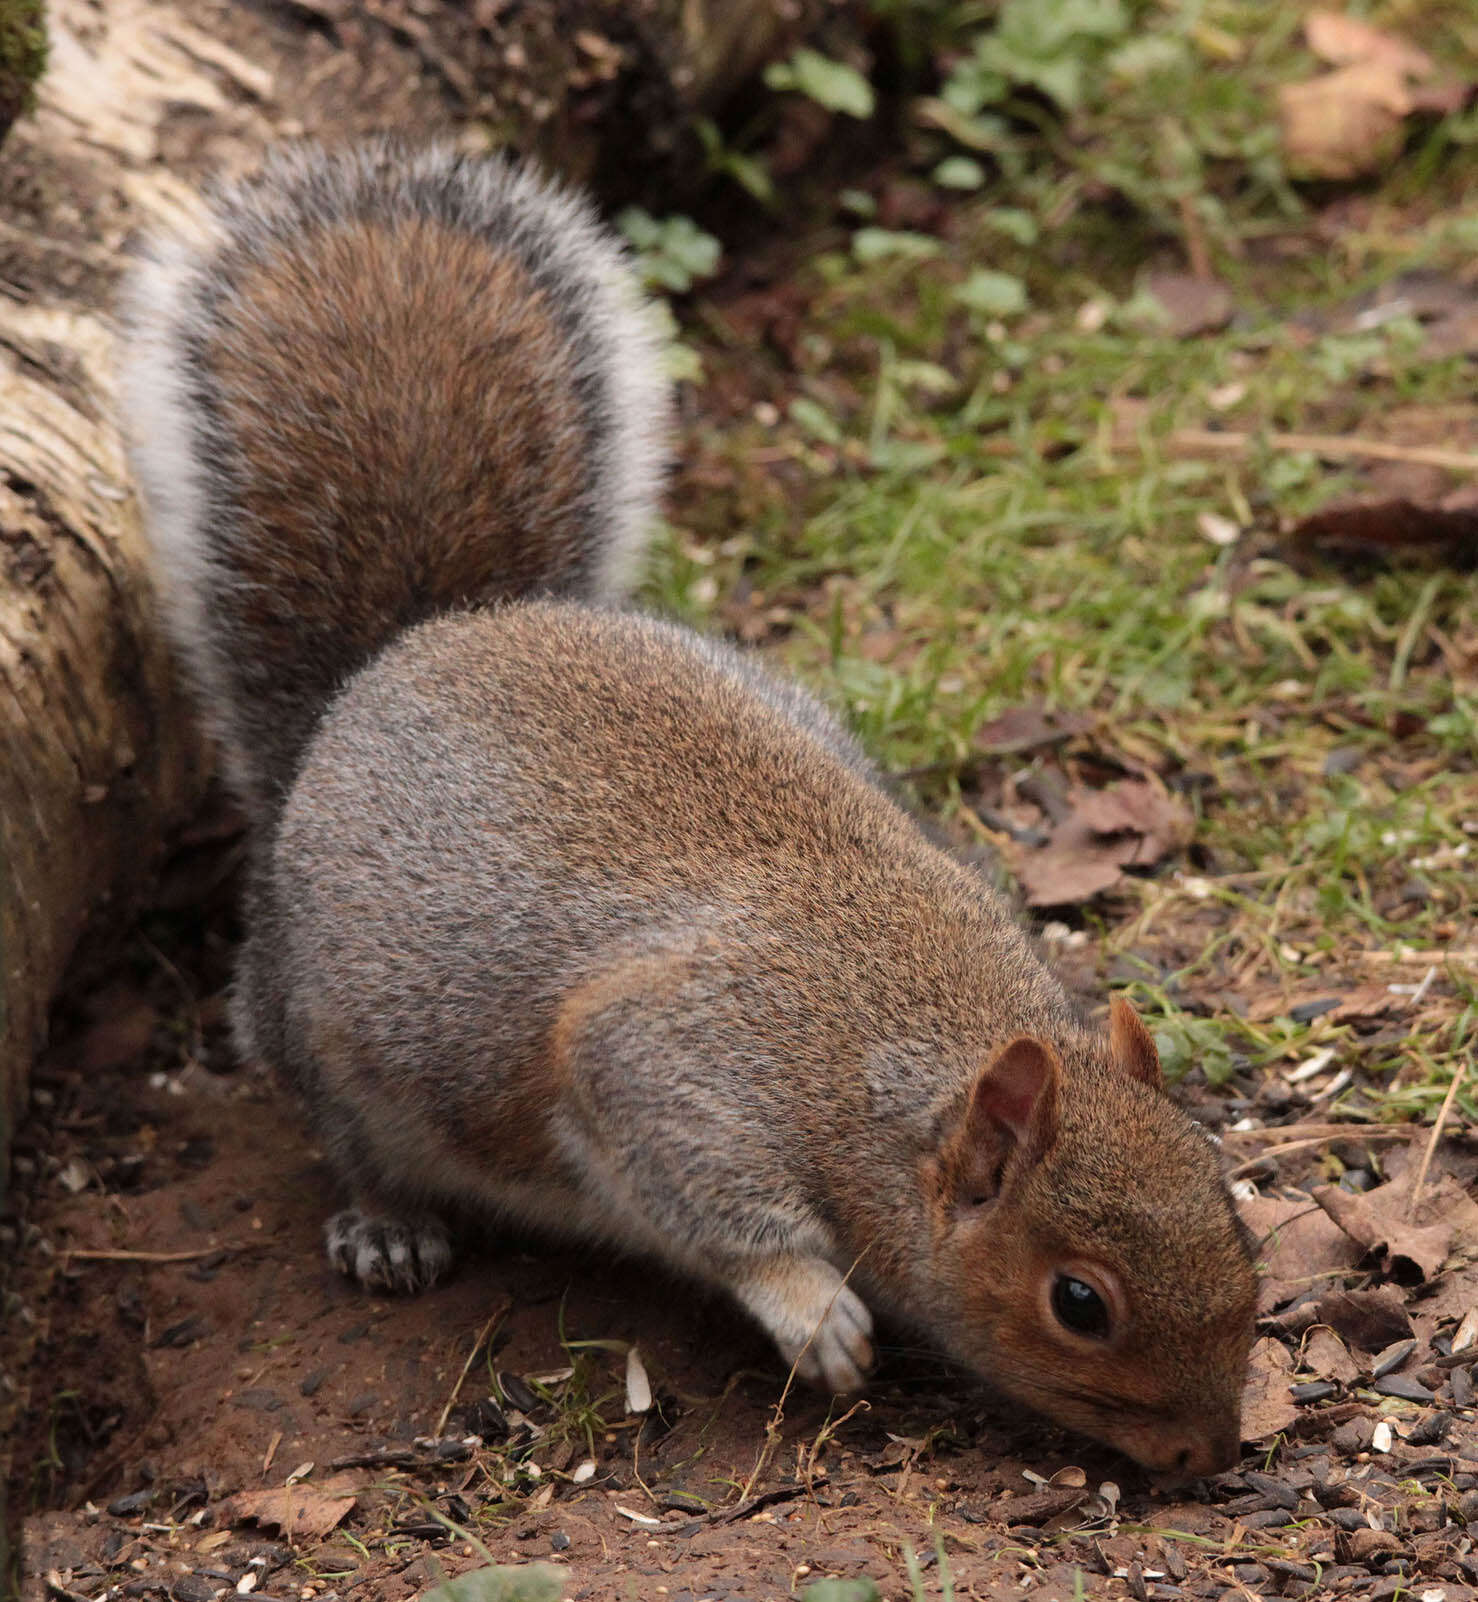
(1079, 1307)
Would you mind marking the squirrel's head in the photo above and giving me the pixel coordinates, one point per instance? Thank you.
(1093, 1260)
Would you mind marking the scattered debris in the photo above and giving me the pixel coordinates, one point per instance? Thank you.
(297, 1509)
(638, 1386)
(1100, 833)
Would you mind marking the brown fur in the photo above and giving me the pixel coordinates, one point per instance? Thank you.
(402, 403)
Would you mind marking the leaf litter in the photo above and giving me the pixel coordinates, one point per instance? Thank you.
(1349, 122)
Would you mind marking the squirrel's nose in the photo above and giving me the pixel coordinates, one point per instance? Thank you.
(1209, 1454)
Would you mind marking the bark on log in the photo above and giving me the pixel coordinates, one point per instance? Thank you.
(141, 97)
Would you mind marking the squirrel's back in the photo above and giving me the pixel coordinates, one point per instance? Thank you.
(374, 387)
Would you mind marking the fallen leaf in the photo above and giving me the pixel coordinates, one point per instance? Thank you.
(1361, 1004)
(1342, 41)
(299, 1509)
(1381, 528)
(1365, 1547)
(1347, 123)
(1267, 1403)
(1029, 728)
(1135, 807)
(1326, 1355)
(1368, 1319)
(1410, 1250)
(1301, 1246)
(1366, 1002)
(1036, 1507)
(1191, 305)
(1058, 875)
(1134, 823)
(1344, 124)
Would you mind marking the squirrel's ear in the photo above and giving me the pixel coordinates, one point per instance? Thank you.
(1013, 1114)
(1132, 1046)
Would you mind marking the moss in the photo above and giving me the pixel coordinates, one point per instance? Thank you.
(22, 57)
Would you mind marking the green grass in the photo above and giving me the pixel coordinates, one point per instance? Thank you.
(933, 514)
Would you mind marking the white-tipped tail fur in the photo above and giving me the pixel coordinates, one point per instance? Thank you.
(183, 306)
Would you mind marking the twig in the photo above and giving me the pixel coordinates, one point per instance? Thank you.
(1329, 1131)
(1442, 1112)
(404, 1457)
(1250, 1164)
(1466, 954)
(777, 1417)
(1196, 249)
(1333, 447)
(477, 1345)
(752, 1504)
(84, 1254)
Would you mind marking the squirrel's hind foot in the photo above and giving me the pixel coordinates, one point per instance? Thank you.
(400, 1254)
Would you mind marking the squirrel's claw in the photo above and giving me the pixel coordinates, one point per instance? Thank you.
(819, 1323)
(399, 1254)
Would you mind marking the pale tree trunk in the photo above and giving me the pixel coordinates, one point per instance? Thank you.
(98, 751)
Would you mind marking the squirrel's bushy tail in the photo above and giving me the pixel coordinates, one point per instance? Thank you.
(370, 387)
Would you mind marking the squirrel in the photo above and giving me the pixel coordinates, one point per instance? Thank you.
(574, 917)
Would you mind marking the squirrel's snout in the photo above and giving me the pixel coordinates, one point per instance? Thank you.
(1186, 1450)
(1201, 1452)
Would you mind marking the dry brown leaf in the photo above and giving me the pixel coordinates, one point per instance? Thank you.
(1342, 41)
(1369, 1319)
(1367, 1001)
(1133, 823)
(1410, 1249)
(1138, 808)
(1344, 124)
(1362, 1002)
(1347, 123)
(1029, 728)
(297, 1510)
(1058, 875)
(1267, 1403)
(1191, 305)
(1326, 1355)
(1301, 1246)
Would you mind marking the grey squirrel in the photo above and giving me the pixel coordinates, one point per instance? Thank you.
(575, 917)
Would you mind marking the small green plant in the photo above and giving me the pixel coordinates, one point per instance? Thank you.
(672, 253)
(503, 1582)
(1047, 45)
(22, 57)
(832, 84)
(842, 1591)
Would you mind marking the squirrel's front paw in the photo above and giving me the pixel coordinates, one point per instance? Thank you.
(400, 1254)
(819, 1323)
